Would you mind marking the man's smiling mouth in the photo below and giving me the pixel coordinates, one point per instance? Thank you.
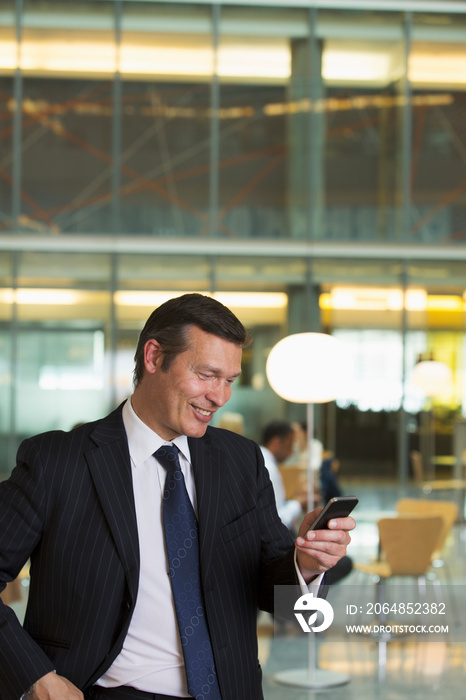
(202, 411)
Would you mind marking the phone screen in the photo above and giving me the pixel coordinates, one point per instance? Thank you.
(338, 507)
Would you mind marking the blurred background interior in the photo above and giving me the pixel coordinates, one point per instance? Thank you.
(305, 162)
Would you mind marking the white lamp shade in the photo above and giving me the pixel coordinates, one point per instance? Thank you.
(305, 368)
(433, 378)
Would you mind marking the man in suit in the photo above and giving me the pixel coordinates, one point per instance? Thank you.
(86, 508)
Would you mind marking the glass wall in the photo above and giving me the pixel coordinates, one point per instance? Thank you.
(254, 76)
(9, 124)
(231, 121)
(414, 312)
(70, 321)
(67, 108)
(362, 114)
(56, 326)
(235, 149)
(437, 67)
(166, 60)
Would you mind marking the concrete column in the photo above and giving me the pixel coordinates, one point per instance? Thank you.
(305, 138)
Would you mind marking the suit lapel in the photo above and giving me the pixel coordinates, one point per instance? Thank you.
(110, 467)
(208, 463)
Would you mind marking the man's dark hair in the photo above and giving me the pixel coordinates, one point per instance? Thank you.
(277, 428)
(169, 323)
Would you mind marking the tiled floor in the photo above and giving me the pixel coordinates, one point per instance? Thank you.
(414, 668)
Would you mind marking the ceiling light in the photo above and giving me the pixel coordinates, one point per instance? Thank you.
(373, 299)
(40, 296)
(264, 300)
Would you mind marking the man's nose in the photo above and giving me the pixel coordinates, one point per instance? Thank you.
(219, 393)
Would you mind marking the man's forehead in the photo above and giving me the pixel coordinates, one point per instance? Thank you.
(196, 333)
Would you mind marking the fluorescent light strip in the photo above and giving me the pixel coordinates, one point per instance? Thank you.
(271, 60)
(239, 300)
(378, 299)
(65, 297)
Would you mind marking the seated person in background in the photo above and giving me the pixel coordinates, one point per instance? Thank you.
(300, 454)
(329, 476)
(276, 447)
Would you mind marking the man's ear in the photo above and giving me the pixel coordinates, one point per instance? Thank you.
(152, 356)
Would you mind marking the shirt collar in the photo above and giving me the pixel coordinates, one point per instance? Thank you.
(143, 441)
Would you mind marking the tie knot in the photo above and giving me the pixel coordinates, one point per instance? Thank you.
(167, 455)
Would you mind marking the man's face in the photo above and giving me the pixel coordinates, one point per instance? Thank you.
(183, 400)
(284, 448)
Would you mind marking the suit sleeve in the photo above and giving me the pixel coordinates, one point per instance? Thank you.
(22, 515)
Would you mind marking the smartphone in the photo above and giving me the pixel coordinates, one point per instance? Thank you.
(338, 507)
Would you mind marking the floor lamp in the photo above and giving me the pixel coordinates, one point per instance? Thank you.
(306, 368)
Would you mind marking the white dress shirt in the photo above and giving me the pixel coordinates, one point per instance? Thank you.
(151, 658)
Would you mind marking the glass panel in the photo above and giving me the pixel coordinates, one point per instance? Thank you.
(443, 276)
(5, 269)
(326, 271)
(6, 153)
(163, 272)
(437, 69)
(6, 359)
(367, 413)
(255, 69)
(62, 371)
(69, 129)
(443, 323)
(61, 360)
(8, 64)
(259, 273)
(5, 397)
(56, 287)
(67, 121)
(57, 269)
(166, 121)
(362, 68)
(375, 361)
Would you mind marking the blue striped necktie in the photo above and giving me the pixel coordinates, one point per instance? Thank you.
(181, 537)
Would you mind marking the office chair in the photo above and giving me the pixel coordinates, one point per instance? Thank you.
(407, 544)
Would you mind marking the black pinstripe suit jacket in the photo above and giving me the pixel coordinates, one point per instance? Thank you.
(69, 507)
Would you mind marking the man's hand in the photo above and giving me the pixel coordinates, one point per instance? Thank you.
(319, 550)
(53, 687)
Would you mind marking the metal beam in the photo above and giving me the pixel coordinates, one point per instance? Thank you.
(101, 243)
